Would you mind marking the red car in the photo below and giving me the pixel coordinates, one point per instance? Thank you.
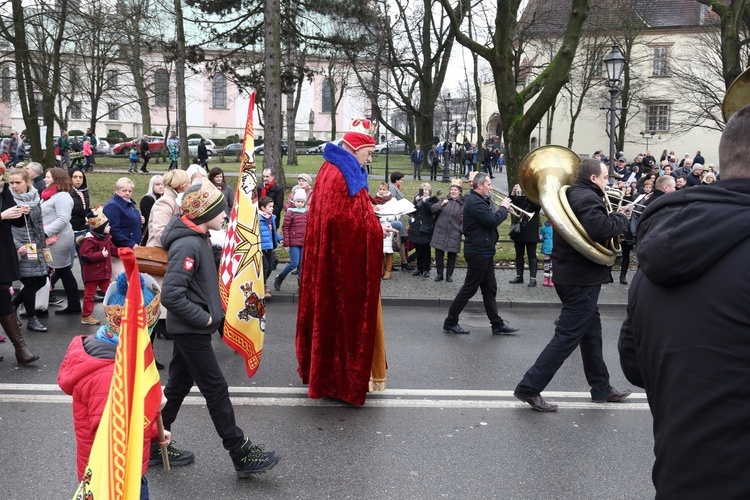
(155, 144)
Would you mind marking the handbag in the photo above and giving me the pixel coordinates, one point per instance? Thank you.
(515, 230)
(151, 260)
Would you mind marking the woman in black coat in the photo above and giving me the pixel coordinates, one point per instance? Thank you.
(421, 229)
(527, 239)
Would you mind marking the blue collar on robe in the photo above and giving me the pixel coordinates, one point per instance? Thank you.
(354, 174)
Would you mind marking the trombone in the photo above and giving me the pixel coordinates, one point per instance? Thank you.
(516, 211)
(615, 199)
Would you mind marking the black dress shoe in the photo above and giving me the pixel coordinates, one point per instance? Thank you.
(69, 311)
(504, 329)
(532, 282)
(407, 267)
(614, 397)
(449, 278)
(417, 273)
(439, 277)
(623, 281)
(454, 329)
(537, 402)
(516, 280)
(426, 274)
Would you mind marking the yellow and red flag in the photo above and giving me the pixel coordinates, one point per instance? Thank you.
(241, 282)
(116, 462)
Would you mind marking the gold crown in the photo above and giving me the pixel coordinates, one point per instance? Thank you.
(99, 219)
(456, 181)
(199, 201)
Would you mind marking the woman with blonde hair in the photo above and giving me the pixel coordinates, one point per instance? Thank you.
(175, 182)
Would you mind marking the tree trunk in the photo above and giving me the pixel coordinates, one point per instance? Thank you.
(180, 77)
(272, 73)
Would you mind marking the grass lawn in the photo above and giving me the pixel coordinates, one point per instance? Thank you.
(102, 181)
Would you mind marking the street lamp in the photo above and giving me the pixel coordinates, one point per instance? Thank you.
(647, 136)
(615, 63)
(446, 167)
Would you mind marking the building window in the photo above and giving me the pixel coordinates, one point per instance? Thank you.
(661, 61)
(112, 77)
(326, 104)
(161, 88)
(658, 117)
(113, 110)
(219, 91)
(75, 110)
(6, 85)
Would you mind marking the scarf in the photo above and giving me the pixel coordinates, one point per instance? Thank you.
(30, 197)
(49, 192)
(266, 187)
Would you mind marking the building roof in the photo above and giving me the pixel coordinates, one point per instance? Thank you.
(545, 16)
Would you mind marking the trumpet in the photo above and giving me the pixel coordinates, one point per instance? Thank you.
(516, 211)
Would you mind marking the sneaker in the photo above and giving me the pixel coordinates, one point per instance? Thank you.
(90, 320)
(99, 296)
(254, 460)
(176, 457)
(53, 300)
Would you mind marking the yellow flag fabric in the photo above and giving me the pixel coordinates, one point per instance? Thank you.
(241, 281)
(115, 465)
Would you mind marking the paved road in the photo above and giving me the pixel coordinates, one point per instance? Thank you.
(448, 426)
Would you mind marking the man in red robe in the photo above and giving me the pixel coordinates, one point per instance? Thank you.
(340, 346)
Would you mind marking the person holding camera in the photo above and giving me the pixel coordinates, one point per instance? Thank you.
(526, 235)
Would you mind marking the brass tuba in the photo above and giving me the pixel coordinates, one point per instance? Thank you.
(545, 175)
(737, 96)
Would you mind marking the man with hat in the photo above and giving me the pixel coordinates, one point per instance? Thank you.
(191, 295)
(339, 304)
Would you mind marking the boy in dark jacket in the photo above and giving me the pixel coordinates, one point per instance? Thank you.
(191, 295)
(96, 253)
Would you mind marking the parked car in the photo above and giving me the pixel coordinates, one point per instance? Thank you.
(103, 147)
(260, 150)
(320, 147)
(232, 149)
(193, 147)
(395, 146)
(155, 144)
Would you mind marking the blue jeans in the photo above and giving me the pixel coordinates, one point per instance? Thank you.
(579, 325)
(295, 261)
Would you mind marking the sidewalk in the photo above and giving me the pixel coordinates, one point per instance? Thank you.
(403, 289)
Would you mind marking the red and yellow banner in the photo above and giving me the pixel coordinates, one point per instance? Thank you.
(116, 461)
(241, 281)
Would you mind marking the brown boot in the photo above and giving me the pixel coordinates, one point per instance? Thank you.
(23, 355)
(388, 266)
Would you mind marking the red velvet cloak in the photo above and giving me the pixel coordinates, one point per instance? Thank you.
(339, 290)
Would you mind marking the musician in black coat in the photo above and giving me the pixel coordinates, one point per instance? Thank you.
(694, 364)
(578, 281)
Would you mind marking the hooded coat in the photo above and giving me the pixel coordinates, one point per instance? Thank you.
(448, 224)
(693, 363)
(81, 204)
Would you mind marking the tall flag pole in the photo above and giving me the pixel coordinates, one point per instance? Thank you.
(115, 464)
(241, 282)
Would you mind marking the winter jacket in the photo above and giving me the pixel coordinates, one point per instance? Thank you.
(94, 264)
(546, 233)
(81, 205)
(86, 148)
(480, 225)
(56, 216)
(423, 224)
(32, 233)
(529, 227)
(571, 267)
(124, 221)
(9, 271)
(86, 374)
(448, 224)
(190, 291)
(693, 362)
(417, 156)
(294, 226)
(274, 192)
(146, 204)
(228, 192)
(162, 211)
(269, 239)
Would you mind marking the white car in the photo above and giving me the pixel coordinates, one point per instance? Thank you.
(193, 147)
(393, 146)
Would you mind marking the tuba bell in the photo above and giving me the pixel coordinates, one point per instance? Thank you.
(545, 175)
(737, 96)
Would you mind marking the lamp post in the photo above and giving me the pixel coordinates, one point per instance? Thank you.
(615, 63)
(647, 136)
(446, 166)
